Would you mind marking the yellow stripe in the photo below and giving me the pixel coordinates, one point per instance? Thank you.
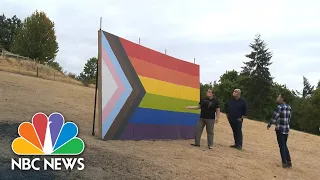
(154, 86)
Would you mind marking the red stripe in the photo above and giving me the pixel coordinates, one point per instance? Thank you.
(143, 53)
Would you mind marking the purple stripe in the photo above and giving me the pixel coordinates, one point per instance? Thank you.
(153, 131)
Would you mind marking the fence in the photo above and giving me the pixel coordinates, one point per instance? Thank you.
(5, 53)
(10, 62)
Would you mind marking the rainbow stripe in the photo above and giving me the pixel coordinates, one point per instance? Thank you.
(144, 92)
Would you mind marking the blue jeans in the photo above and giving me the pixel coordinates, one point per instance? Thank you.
(236, 126)
(284, 151)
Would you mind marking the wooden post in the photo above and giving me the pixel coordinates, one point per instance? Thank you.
(37, 72)
(165, 51)
(98, 87)
(100, 22)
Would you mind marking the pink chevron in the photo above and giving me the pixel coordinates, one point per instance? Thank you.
(120, 90)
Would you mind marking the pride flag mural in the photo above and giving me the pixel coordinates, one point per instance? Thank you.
(143, 93)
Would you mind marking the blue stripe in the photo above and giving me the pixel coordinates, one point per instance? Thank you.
(161, 117)
(128, 89)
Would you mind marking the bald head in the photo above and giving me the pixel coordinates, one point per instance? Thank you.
(236, 93)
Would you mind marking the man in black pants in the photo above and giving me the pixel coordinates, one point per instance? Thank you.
(210, 113)
(281, 118)
(236, 109)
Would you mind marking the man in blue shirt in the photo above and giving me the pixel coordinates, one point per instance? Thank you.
(236, 109)
(281, 118)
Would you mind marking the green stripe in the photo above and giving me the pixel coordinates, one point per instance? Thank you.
(153, 101)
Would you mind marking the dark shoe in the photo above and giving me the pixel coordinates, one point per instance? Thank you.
(195, 145)
(233, 146)
(239, 148)
(289, 164)
(284, 165)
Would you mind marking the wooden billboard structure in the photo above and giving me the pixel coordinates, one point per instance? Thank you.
(142, 93)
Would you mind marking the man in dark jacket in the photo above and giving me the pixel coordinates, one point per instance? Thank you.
(210, 112)
(236, 109)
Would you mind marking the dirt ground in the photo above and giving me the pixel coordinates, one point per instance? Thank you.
(22, 96)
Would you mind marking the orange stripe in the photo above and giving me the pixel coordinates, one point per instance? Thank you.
(150, 70)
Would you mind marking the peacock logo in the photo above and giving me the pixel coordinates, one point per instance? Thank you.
(48, 136)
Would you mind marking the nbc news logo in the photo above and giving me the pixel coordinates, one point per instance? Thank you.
(48, 136)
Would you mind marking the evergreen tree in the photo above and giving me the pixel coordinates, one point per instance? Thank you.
(36, 39)
(307, 88)
(259, 81)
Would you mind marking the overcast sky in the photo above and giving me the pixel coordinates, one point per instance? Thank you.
(217, 33)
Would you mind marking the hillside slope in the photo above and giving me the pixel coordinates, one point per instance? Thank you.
(31, 68)
(22, 96)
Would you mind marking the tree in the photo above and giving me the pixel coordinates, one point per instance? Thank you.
(318, 85)
(258, 81)
(307, 88)
(55, 65)
(260, 59)
(231, 76)
(36, 38)
(88, 76)
(8, 29)
(306, 113)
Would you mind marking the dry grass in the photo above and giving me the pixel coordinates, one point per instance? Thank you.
(29, 68)
(23, 96)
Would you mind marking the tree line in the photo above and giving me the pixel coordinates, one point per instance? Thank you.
(260, 90)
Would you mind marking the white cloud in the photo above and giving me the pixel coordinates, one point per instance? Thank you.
(216, 32)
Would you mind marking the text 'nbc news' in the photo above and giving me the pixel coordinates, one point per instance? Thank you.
(56, 164)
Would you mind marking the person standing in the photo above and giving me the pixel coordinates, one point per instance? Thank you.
(209, 115)
(281, 118)
(236, 109)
